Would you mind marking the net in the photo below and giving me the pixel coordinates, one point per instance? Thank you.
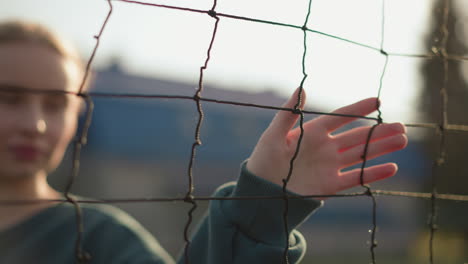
(443, 127)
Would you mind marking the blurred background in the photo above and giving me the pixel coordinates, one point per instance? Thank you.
(141, 147)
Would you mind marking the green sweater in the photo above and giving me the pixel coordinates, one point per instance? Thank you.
(233, 231)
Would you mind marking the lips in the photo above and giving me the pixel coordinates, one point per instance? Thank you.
(26, 152)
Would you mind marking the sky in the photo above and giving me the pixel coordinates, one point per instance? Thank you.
(164, 43)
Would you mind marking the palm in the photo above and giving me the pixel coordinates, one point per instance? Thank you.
(321, 161)
(317, 170)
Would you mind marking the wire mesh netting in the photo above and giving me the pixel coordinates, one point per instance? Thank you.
(443, 127)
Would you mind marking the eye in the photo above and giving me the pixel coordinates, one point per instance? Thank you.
(10, 98)
(56, 102)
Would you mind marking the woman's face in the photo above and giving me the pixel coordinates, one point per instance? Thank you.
(37, 119)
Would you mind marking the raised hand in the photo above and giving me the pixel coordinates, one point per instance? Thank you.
(322, 156)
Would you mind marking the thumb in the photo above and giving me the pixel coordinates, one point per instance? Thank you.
(284, 119)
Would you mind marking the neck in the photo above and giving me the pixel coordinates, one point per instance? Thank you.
(28, 188)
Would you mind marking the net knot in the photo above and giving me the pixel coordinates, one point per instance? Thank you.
(304, 28)
(368, 191)
(441, 127)
(379, 120)
(69, 198)
(297, 111)
(212, 13)
(440, 161)
(383, 52)
(197, 96)
(80, 141)
(189, 198)
(83, 257)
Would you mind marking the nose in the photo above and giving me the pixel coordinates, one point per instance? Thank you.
(32, 120)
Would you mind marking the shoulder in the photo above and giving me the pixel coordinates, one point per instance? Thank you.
(111, 233)
(100, 217)
(109, 214)
(95, 213)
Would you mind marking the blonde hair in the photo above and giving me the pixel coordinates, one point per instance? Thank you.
(30, 32)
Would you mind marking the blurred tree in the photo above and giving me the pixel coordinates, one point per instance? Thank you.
(449, 34)
(455, 176)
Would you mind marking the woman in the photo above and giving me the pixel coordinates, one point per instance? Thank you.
(39, 79)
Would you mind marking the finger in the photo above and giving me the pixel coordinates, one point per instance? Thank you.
(377, 148)
(352, 178)
(361, 108)
(285, 120)
(359, 135)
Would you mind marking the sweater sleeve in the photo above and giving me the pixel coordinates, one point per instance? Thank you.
(250, 231)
